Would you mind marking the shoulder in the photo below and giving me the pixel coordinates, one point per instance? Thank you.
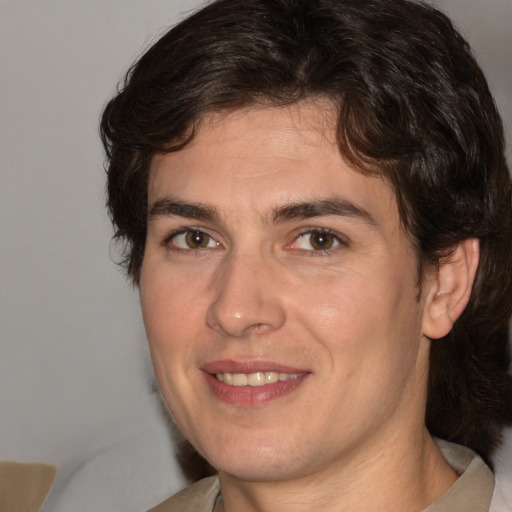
(198, 497)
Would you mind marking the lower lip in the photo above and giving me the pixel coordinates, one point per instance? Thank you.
(252, 396)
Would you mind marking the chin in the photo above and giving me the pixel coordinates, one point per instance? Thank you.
(259, 471)
(256, 461)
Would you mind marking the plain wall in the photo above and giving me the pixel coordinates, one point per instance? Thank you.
(73, 350)
(73, 357)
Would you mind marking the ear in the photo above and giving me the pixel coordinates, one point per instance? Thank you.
(449, 290)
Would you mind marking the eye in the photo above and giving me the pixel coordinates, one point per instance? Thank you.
(192, 239)
(317, 240)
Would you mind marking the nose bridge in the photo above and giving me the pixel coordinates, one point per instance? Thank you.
(245, 298)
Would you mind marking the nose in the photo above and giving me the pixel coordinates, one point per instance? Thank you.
(247, 298)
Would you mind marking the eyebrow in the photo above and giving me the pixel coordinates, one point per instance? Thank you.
(294, 211)
(325, 207)
(173, 208)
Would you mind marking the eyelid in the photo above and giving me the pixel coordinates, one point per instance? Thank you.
(167, 241)
(341, 240)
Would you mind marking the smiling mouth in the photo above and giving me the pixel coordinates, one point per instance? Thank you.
(256, 378)
(252, 383)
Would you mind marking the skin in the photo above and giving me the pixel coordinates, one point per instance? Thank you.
(351, 434)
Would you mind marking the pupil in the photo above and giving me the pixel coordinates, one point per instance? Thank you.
(196, 239)
(322, 240)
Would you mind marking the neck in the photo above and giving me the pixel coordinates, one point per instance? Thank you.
(399, 476)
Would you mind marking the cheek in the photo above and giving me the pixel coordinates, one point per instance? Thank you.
(168, 314)
(168, 318)
(340, 307)
(169, 302)
(361, 322)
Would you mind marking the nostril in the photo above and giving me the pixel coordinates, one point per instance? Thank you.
(259, 318)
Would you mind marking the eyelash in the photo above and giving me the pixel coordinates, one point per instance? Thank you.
(167, 242)
(338, 239)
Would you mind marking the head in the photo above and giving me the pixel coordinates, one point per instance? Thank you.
(407, 103)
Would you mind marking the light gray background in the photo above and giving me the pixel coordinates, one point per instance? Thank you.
(75, 378)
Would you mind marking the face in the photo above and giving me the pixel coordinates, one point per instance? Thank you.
(279, 296)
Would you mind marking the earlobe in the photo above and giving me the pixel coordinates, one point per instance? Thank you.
(450, 289)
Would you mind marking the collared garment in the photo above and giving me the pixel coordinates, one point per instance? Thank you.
(472, 492)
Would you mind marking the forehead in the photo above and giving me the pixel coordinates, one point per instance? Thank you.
(260, 158)
(265, 131)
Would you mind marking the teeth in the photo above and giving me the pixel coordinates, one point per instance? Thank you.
(255, 379)
(271, 377)
(239, 379)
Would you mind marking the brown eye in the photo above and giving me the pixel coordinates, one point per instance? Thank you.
(192, 239)
(317, 241)
(320, 240)
(197, 239)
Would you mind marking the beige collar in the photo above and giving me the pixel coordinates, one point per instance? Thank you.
(472, 492)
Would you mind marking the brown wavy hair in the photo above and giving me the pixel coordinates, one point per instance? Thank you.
(412, 104)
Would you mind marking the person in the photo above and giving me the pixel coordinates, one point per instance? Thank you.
(316, 208)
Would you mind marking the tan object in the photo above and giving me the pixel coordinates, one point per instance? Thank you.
(24, 486)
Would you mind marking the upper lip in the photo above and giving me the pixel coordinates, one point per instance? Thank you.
(231, 366)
